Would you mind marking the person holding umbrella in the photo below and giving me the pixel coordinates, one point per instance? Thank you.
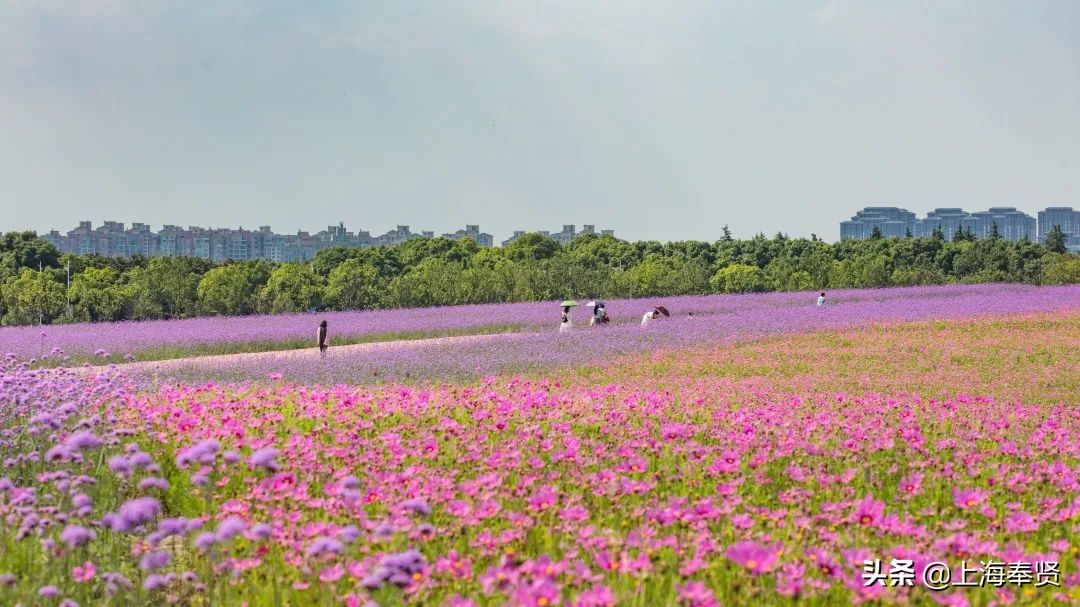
(657, 312)
(567, 322)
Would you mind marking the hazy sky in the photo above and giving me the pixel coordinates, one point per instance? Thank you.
(661, 120)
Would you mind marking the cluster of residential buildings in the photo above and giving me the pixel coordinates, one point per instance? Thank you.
(114, 239)
(564, 236)
(1010, 223)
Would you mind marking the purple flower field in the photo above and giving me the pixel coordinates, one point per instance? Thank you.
(716, 319)
(84, 339)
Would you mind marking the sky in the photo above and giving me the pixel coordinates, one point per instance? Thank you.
(661, 120)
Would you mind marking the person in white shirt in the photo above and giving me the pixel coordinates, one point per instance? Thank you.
(821, 299)
(649, 316)
(567, 322)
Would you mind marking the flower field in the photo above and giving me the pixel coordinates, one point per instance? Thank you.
(757, 456)
(161, 340)
(697, 321)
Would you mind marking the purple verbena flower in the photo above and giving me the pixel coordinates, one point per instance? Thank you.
(228, 529)
(265, 458)
(76, 535)
(154, 560)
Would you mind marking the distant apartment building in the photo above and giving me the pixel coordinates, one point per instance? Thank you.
(473, 232)
(567, 234)
(79, 241)
(947, 220)
(890, 221)
(401, 234)
(591, 229)
(1011, 223)
(519, 233)
(114, 239)
(1067, 218)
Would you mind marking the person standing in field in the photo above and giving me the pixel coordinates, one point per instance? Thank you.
(567, 323)
(821, 299)
(324, 341)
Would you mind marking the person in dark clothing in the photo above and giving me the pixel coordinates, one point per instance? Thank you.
(324, 342)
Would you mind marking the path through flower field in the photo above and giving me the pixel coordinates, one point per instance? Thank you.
(698, 321)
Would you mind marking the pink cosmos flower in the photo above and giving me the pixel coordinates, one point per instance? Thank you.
(824, 562)
(84, 573)
(727, 488)
(332, 574)
(790, 580)
(869, 511)
(728, 462)
(696, 594)
(742, 520)
(541, 593)
(755, 557)
(911, 484)
(1021, 522)
(574, 514)
(597, 596)
(455, 565)
(543, 499)
(969, 498)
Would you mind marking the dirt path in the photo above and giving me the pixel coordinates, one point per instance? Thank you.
(165, 366)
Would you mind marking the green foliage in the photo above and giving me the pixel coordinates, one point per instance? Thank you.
(32, 297)
(431, 282)
(328, 259)
(96, 295)
(353, 285)
(531, 247)
(738, 278)
(781, 274)
(166, 287)
(604, 252)
(914, 276)
(233, 289)
(1055, 240)
(860, 272)
(662, 276)
(1061, 269)
(566, 276)
(292, 287)
(431, 272)
(25, 250)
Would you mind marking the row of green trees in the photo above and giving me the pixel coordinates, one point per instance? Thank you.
(39, 285)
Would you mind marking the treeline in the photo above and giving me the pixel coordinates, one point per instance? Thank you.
(34, 276)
